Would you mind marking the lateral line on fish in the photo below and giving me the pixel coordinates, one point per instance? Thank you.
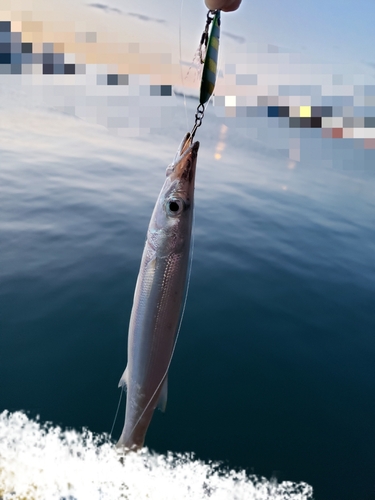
(176, 338)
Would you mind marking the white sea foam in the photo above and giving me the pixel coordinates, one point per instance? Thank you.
(41, 462)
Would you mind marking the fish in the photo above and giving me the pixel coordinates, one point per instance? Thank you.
(159, 297)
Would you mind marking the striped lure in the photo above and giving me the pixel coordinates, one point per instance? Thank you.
(210, 62)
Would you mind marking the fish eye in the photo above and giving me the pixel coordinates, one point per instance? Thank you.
(174, 206)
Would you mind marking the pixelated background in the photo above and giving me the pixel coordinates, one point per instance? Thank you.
(273, 371)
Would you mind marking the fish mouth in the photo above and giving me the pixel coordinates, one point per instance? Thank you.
(186, 159)
(183, 165)
(186, 147)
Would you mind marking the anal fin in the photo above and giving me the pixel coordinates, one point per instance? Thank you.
(124, 379)
(162, 401)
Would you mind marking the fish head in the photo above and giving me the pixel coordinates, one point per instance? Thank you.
(179, 192)
(176, 201)
(182, 169)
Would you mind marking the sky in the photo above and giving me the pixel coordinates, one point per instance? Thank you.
(301, 52)
(321, 32)
(334, 31)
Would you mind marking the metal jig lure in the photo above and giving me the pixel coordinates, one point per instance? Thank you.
(211, 43)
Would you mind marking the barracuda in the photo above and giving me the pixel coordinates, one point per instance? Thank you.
(159, 297)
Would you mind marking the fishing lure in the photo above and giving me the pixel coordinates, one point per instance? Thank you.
(211, 44)
(210, 61)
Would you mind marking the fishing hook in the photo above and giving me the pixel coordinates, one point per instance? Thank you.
(204, 37)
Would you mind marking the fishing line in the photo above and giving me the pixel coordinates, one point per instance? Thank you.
(118, 408)
(181, 74)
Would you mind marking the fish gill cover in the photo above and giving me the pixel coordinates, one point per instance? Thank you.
(40, 461)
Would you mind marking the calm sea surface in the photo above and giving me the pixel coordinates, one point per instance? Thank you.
(274, 367)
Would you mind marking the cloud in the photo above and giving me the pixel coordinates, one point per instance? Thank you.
(236, 38)
(142, 17)
(104, 7)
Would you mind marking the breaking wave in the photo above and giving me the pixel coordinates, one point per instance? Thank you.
(40, 462)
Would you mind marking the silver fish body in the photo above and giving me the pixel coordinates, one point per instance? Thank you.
(159, 297)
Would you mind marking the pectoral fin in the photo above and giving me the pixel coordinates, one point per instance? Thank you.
(124, 379)
(162, 401)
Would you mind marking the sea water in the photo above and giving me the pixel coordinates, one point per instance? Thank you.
(273, 374)
(41, 461)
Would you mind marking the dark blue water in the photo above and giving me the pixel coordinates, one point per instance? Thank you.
(274, 367)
